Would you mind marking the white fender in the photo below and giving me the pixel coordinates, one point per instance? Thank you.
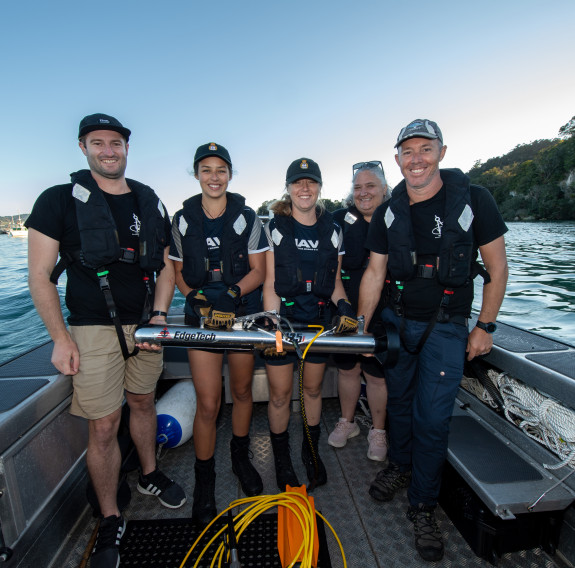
(176, 411)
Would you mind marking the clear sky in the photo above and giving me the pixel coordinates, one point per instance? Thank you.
(274, 81)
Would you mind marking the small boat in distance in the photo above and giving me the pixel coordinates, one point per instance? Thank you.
(18, 230)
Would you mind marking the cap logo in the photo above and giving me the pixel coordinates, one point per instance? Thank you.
(304, 165)
(213, 147)
(104, 121)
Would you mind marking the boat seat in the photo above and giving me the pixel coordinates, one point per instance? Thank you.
(502, 465)
(41, 453)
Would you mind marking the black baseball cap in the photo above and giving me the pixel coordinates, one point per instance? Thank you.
(212, 149)
(303, 168)
(420, 128)
(101, 121)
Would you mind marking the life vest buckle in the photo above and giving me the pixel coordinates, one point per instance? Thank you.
(128, 255)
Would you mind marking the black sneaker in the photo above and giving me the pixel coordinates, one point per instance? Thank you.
(428, 540)
(169, 493)
(250, 479)
(106, 553)
(388, 481)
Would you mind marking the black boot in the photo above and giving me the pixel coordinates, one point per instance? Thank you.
(204, 508)
(285, 474)
(250, 479)
(317, 476)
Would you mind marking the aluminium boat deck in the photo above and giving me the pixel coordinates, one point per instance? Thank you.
(374, 535)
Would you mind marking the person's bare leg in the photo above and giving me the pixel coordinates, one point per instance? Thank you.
(103, 460)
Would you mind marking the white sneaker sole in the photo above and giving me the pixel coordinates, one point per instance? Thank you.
(144, 491)
(376, 458)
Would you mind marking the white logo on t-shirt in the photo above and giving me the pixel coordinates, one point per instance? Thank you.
(213, 242)
(135, 228)
(438, 224)
(305, 244)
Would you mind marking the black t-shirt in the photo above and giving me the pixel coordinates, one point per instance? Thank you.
(421, 297)
(54, 215)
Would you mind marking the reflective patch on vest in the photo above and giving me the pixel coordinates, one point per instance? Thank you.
(389, 217)
(466, 218)
(183, 225)
(81, 193)
(334, 239)
(350, 218)
(240, 225)
(276, 237)
(161, 209)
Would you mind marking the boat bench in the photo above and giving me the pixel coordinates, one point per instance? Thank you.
(41, 451)
(498, 460)
(501, 464)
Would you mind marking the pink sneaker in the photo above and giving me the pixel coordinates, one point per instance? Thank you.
(377, 440)
(342, 432)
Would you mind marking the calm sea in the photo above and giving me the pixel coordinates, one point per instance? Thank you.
(540, 294)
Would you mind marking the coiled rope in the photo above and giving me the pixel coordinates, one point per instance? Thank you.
(540, 417)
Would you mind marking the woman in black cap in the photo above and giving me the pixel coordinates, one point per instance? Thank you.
(302, 277)
(368, 191)
(218, 246)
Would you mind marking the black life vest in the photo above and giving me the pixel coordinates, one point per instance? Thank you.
(455, 258)
(98, 234)
(288, 276)
(354, 227)
(234, 258)
(100, 246)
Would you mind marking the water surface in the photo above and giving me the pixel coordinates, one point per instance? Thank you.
(540, 294)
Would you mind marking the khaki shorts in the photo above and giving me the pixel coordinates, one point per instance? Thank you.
(104, 374)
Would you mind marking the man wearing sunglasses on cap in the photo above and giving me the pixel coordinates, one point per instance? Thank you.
(424, 245)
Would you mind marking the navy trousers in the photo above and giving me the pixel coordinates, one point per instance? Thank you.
(421, 394)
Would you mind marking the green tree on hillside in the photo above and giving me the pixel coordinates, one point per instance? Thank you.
(534, 181)
(264, 208)
(567, 130)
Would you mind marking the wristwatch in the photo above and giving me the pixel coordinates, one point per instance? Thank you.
(158, 313)
(489, 327)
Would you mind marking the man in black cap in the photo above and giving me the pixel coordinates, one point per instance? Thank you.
(112, 235)
(424, 245)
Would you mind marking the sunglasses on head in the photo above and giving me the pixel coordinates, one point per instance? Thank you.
(367, 165)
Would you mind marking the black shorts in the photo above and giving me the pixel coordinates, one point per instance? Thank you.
(369, 365)
(291, 357)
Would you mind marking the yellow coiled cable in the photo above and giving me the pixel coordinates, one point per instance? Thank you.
(295, 502)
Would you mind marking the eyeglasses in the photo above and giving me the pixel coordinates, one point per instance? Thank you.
(367, 165)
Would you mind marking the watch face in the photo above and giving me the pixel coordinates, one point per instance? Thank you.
(489, 327)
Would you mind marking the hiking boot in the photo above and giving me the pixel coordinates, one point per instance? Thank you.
(106, 553)
(250, 479)
(285, 474)
(342, 432)
(204, 507)
(314, 467)
(377, 440)
(169, 493)
(388, 481)
(428, 540)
